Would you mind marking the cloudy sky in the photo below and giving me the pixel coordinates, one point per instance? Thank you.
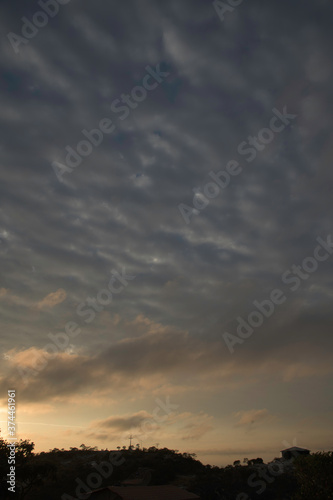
(126, 270)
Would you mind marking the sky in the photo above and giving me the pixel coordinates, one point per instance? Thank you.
(165, 225)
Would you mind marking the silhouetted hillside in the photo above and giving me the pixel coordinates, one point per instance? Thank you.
(69, 474)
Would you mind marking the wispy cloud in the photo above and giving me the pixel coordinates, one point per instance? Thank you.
(252, 417)
(118, 210)
(52, 299)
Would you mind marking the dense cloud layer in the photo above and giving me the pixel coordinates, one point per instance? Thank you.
(62, 237)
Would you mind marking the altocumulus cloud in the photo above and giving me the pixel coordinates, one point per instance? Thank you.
(59, 241)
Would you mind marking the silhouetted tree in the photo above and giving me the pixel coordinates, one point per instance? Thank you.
(314, 474)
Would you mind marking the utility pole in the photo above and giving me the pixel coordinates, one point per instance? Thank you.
(130, 438)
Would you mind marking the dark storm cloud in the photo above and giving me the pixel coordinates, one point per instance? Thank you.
(119, 207)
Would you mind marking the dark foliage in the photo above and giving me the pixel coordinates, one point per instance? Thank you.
(60, 474)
